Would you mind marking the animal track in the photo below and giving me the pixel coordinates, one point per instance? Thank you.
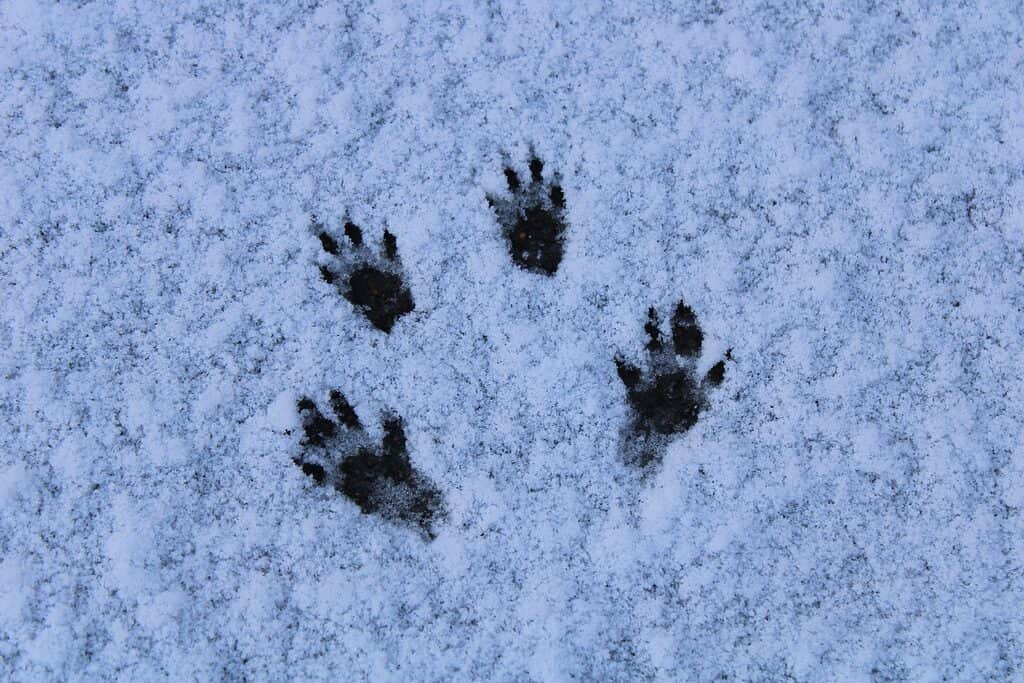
(532, 220)
(372, 282)
(379, 479)
(667, 398)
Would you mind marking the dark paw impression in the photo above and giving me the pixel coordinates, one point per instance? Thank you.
(666, 397)
(371, 281)
(379, 478)
(532, 218)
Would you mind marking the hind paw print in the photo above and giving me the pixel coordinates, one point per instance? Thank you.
(532, 219)
(380, 479)
(372, 282)
(667, 397)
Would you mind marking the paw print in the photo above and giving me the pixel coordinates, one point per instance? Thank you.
(372, 282)
(379, 479)
(532, 220)
(668, 397)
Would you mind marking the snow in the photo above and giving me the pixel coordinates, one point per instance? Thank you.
(834, 189)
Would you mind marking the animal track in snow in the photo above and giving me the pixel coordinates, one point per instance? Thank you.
(380, 479)
(532, 218)
(371, 281)
(667, 397)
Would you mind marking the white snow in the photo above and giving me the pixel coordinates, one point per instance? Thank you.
(835, 189)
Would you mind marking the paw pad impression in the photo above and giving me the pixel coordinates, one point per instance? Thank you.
(667, 397)
(372, 282)
(380, 479)
(532, 219)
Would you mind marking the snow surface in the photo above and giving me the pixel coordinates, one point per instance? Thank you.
(835, 188)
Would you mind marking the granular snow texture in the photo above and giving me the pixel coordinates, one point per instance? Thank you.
(835, 190)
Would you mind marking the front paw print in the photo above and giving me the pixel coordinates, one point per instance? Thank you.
(371, 282)
(532, 220)
(379, 479)
(666, 398)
